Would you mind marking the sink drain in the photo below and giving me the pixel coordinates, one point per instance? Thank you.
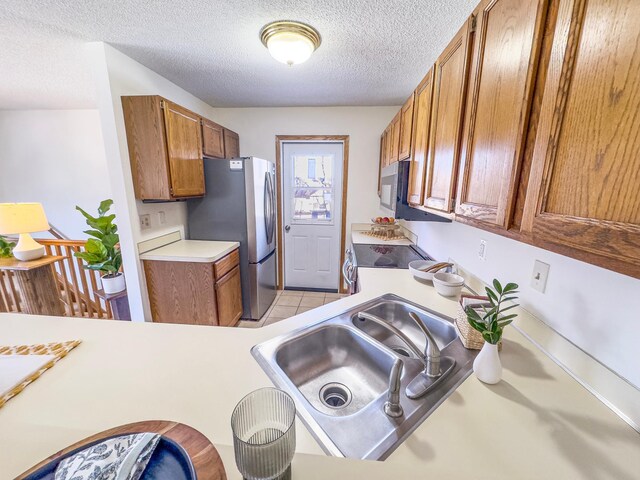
(335, 395)
(402, 351)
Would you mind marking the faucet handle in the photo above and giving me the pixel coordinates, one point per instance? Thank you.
(392, 406)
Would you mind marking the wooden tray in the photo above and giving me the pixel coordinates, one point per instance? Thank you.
(204, 456)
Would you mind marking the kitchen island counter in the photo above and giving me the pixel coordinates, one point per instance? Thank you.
(537, 423)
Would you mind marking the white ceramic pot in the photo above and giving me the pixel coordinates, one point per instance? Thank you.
(487, 366)
(113, 284)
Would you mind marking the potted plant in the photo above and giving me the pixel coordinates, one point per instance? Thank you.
(490, 321)
(102, 252)
(6, 248)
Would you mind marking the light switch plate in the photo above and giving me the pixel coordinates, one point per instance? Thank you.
(539, 276)
(235, 164)
(482, 250)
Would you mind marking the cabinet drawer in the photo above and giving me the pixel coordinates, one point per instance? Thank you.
(226, 264)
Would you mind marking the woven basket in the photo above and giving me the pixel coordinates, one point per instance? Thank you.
(469, 336)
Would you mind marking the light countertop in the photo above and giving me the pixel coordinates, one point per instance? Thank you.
(198, 251)
(537, 423)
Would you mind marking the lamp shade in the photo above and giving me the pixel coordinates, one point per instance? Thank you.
(16, 218)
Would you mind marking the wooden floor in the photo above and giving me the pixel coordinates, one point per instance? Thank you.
(289, 303)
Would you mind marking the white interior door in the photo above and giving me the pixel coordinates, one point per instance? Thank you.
(312, 212)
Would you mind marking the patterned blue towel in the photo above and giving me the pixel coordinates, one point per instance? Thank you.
(119, 458)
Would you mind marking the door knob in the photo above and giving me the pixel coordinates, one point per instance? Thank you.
(287, 228)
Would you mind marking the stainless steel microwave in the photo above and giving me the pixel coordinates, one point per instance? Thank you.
(389, 188)
(394, 189)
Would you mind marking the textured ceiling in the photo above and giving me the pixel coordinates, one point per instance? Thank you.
(372, 52)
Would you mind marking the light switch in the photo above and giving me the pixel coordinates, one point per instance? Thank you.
(539, 276)
(482, 250)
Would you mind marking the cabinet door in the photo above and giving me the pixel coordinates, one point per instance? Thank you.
(387, 146)
(212, 139)
(503, 66)
(184, 148)
(583, 187)
(229, 298)
(146, 140)
(406, 129)
(181, 292)
(394, 139)
(447, 116)
(231, 144)
(422, 122)
(380, 163)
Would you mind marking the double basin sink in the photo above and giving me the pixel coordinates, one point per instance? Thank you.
(337, 371)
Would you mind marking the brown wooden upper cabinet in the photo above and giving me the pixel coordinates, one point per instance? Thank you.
(231, 144)
(394, 140)
(406, 129)
(421, 126)
(503, 67)
(386, 138)
(165, 148)
(219, 142)
(212, 139)
(447, 116)
(583, 186)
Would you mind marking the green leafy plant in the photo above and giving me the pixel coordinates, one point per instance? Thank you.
(493, 320)
(102, 252)
(6, 248)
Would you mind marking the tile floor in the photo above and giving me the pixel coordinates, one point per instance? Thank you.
(289, 303)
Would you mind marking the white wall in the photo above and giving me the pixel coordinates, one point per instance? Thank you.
(117, 75)
(258, 128)
(55, 157)
(594, 308)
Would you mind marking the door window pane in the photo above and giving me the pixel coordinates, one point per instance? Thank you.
(313, 171)
(313, 188)
(313, 204)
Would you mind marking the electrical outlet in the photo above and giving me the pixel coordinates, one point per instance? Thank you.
(482, 250)
(145, 221)
(539, 276)
(162, 217)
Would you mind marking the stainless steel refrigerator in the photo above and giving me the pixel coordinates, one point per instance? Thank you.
(240, 206)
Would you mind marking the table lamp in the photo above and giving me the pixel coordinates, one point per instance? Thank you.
(23, 219)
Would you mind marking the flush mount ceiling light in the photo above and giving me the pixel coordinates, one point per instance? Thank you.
(290, 42)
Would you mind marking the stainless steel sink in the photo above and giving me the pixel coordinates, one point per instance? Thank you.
(353, 367)
(396, 313)
(337, 372)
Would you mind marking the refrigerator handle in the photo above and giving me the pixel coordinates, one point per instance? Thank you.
(274, 206)
(268, 208)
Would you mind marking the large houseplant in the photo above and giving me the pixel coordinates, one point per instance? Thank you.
(102, 251)
(490, 321)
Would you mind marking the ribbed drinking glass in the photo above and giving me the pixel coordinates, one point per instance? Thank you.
(264, 434)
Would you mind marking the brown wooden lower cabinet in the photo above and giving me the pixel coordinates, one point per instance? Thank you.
(191, 293)
(229, 298)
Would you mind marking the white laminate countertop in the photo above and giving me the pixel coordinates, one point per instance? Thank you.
(198, 251)
(537, 423)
